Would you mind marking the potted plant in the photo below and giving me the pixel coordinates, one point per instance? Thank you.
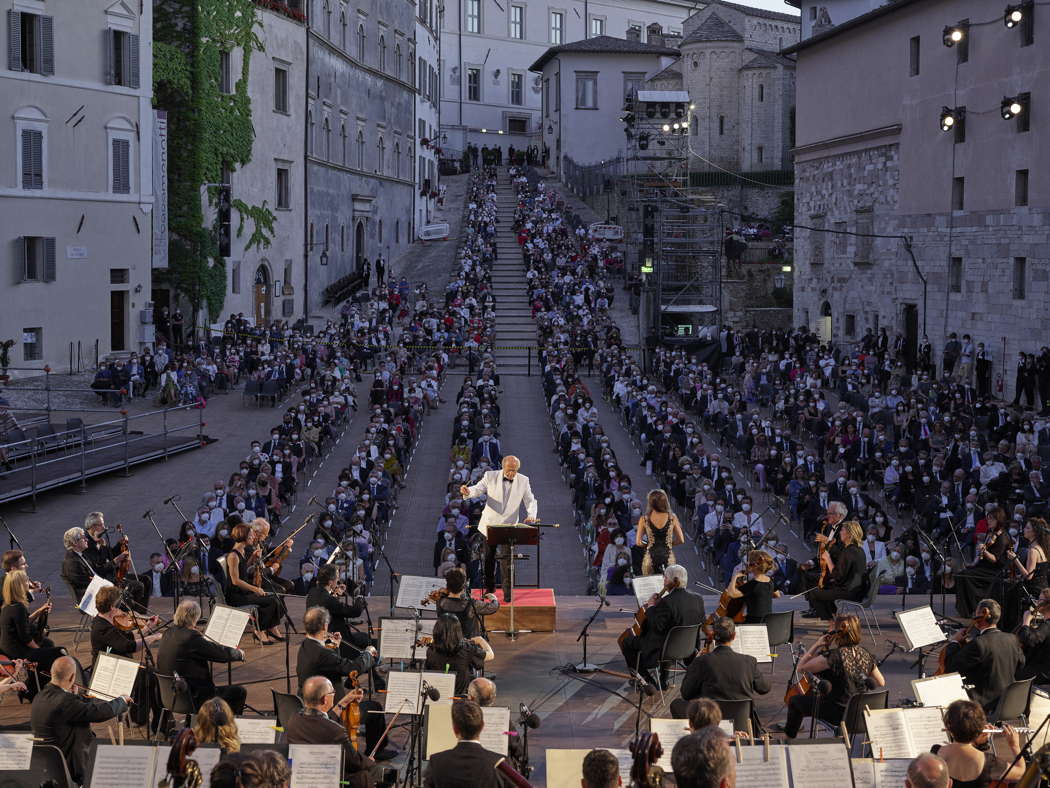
(5, 359)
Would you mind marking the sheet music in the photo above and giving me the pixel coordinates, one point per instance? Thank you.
(413, 589)
(819, 765)
(891, 772)
(16, 751)
(926, 728)
(87, 602)
(626, 761)
(316, 765)
(445, 683)
(645, 586)
(565, 767)
(752, 639)
(756, 770)
(206, 758)
(113, 676)
(888, 733)
(494, 735)
(939, 690)
(396, 636)
(125, 767)
(863, 772)
(403, 690)
(920, 627)
(727, 727)
(254, 730)
(670, 731)
(226, 625)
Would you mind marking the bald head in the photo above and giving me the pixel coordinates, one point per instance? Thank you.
(927, 771)
(63, 672)
(315, 690)
(482, 691)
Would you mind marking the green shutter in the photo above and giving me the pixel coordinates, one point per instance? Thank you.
(121, 167)
(32, 159)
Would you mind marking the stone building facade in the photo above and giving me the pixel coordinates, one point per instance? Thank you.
(428, 105)
(876, 163)
(360, 136)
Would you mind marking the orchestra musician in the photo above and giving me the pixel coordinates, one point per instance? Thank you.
(758, 592)
(971, 764)
(468, 763)
(990, 660)
(838, 659)
(98, 552)
(811, 570)
(1032, 574)
(185, 652)
(1034, 637)
(20, 637)
(260, 537)
(978, 579)
(460, 603)
(450, 652)
(319, 655)
(76, 570)
(242, 588)
(674, 606)
(59, 716)
(325, 593)
(16, 559)
(483, 692)
(845, 571)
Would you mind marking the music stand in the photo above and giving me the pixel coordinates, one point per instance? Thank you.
(512, 535)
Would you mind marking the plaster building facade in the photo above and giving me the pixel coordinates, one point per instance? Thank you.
(871, 159)
(76, 171)
(360, 136)
(267, 283)
(820, 15)
(487, 49)
(584, 86)
(428, 106)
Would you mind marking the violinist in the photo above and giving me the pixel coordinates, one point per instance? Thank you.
(117, 632)
(77, 572)
(756, 594)
(460, 603)
(325, 593)
(844, 576)
(1031, 573)
(16, 559)
(844, 667)
(978, 579)
(242, 585)
(1034, 636)
(451, 652)
(99, 553)
(274, 557)
(19, 635)
(990, 660)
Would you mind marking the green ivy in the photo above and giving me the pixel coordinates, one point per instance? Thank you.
(206, 129)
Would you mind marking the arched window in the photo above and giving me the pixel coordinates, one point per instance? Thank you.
(360, 149)
(398, 65)
(397, 159)
(397, 231)
(342, 238)
(411, 67)
(342, 29)
(342, 137)
(327, 140)
(361, 42)
(327, 10)
(379, 233)
(380, 155)
(382, 53)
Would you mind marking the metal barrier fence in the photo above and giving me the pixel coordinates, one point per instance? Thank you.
(587, 180)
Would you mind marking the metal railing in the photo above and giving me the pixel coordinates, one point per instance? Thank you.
(46, 449)
(587, 180)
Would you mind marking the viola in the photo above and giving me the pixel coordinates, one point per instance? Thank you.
(351, 713)
(730, 607)
(435, 596)
(822, 549)
(638, 627)
(122, 547)
(41, 620)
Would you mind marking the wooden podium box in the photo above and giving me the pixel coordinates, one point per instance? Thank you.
(535, 609)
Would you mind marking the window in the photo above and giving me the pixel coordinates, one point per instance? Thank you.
(235, 277)
(342, 238)
(721, 125)
(342, 143)
(1028, 26)
(286, 285)
(473, 84)
(422, 80)
(586, 90)
(632, 83)
(121, 152)
(31, 43)
(380, 155)
(1021, 187)
(597, 26)
(342, 30)
(547, 97)
(518, 125)
(360, 149)
(816, 240)
(960, 126)
(760, 153)
(382, 53)
(225, 73)
(862, 253)
(517, 22)
(915, 50)
(399, 65)
(32, 159)
(379, 231)
(397, 159)
(694, 124)
(955, 275)
(557, 91)
(473, 16)
(851, 325)
(813, 13)
(1020, 276)
(360, 42)
(761, 92)
(280, 89)
(119, 276)
(962, 48)
(517, 88)
(32, 344)
(284, 189)
(958, 193)
(327, 20)
(38, 259)
(557, 27)
(122, 58)
(327, 127)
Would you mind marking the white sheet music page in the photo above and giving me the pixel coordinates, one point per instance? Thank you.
(445, 683)
(396, 636)
(124, 767)
(819, 766)
(863, 772)
(206, 758)
(920, 627)
(16, 751)
(226, 626)
(670, 731)
(316, 765)
(645, 586)
(113, 676)
(253, 730)
(926, 727)
(752, 639)
(494, 734)
(87, 602)
(888, 733)
(413, 589)
(402, 693)
(755, 770)
(891, 772)
(939, 690)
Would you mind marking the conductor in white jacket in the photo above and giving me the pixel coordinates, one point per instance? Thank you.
(507, 492)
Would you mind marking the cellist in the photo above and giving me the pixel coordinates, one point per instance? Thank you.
(845, 572)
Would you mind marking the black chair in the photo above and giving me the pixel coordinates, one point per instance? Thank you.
(781, 629)
(1013, 703)
(739, 711)
(252, 388)
(285, 706)
(853, 717)
(679, 646)
(83, 625)
(271, 390)
(174, 700)
(47, 766)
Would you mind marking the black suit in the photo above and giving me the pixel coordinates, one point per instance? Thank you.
(989, 662)
(316, 660)
(678, 608)
(187, 652)
(467, 765)
(721, 675)
(60, 718)
(77, 573)
(312, 727)
(340, 613)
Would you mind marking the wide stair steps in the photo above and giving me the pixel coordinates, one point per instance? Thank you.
(515, 328)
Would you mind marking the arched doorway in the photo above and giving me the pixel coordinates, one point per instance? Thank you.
(824, 323)
(262, 293)
(359, 247)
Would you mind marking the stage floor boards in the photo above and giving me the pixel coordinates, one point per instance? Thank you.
(574, 714)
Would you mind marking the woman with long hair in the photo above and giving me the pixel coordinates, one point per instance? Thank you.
(758, 592)
(20, 637)
(215, 724)
(241, 590)
(659, 532)
(977, 581)
(1033, 572)
(845, 573)
(838, 658)
(450, 652)
(970, 763)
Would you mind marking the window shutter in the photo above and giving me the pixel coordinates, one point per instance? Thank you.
(32, 159)
(47, 45)
(107, 48)
(20, 251)
(49, 260)
(132, 61)
(14, 40)
(121, 167)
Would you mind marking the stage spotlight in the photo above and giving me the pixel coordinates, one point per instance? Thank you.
(950, 118)
(1013, 106)
(953, 34)
(666, 127)
(1013, 15)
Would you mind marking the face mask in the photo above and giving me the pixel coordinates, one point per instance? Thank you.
(275, 435)
(618, 540)
(223, 533)
(318, 553)
(925, 479)
(910, 571)
(746, 507)
(1013, 532)
(720, 508)
(1017, 518)
(240, 507)
(308, 576)
(872, 538)
(926, 557)
(895, 556)
(158, 567)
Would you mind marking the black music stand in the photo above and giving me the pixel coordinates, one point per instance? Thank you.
(512, 535)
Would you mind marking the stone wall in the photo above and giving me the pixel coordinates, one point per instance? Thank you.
(748, 297)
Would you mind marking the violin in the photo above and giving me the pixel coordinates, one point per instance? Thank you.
(424, 641)
(942, 657)
(351, 712)
(435, 596)
(822, 549)
(120, 549)
(127, 621)
(802, 681)
(41, 619)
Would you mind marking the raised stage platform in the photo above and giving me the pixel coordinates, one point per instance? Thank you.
(535, 610)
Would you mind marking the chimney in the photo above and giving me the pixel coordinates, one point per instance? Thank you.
(634, 34)
(655, 34)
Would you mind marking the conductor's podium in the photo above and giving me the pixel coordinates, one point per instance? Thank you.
(535, 610)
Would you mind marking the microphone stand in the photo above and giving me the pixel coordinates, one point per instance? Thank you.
(944, 561)
(585, 666)
(15, 544)
(173, 564)
(394, 576)
(415, 741)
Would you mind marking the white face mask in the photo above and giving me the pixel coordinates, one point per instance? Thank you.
(618, 540)
(223, 533)
(746, 507)
(158, 567)
(308, 576)
(240, 507)
(872, 538)
(318, 553)
(895, 556)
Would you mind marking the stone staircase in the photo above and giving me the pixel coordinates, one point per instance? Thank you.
(515, 329)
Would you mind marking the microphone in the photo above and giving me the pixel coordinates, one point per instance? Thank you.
(147, 514)
(648, 689)
(169, 500)
(528, 717)
(431, 692)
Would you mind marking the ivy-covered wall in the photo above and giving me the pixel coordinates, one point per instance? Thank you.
(206, 129)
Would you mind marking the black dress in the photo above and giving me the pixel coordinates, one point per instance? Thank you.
(758, 597)
(848, 668)
(992, 768)
(983, 579)
(467, 657)
(267, 605)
